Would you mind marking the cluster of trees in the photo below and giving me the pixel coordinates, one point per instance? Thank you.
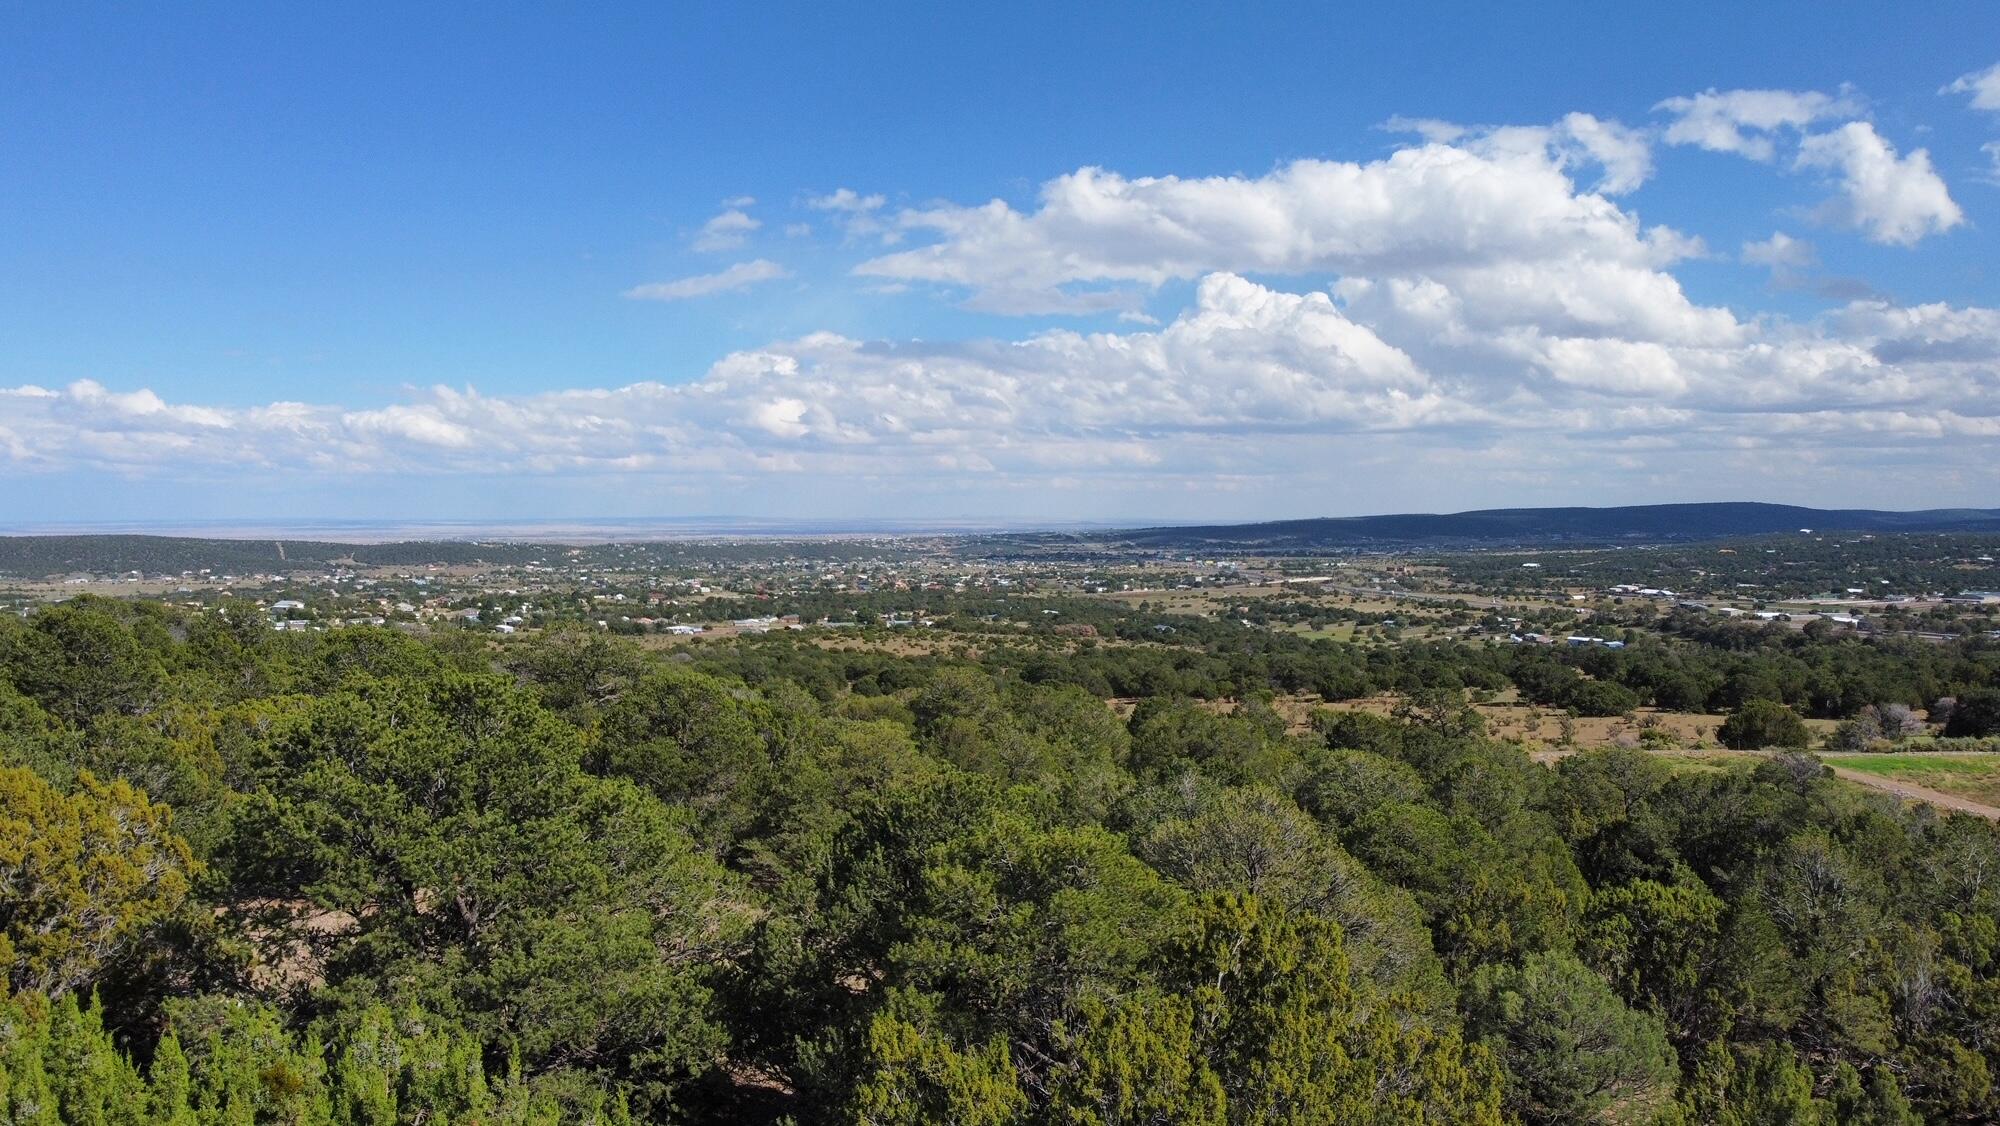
(1700, 665)
(362, 877)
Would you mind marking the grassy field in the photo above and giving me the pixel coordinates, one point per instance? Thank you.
(1975, 776)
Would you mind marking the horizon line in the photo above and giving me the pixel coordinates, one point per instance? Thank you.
(604, 528)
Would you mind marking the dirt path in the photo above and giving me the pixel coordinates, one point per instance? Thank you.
(1549, 756)
(1910, 792)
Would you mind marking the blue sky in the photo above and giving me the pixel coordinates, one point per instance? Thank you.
(1098, 262)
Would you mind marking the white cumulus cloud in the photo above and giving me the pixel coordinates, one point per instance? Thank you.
(1624, 154)
(1890, 198)
(1983, 85)
(1096, 237)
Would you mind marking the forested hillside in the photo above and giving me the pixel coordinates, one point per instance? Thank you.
(364, 876)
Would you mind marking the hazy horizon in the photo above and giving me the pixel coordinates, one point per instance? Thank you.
(657, 528)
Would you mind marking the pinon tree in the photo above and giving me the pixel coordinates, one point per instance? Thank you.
(1253, 1015)
(1762, 723)
(1976, 715)
(1574, 1052)
(436, 842)
(228, 1060)
(83, 876)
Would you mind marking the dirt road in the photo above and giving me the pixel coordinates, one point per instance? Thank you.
(1910, 792)
(1906, 790)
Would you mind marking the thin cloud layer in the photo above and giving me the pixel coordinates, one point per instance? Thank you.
(743, 275)
(1780, 252)
(728, 230)
(1748, 122)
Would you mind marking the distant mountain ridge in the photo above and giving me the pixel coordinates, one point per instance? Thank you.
(1500, 526)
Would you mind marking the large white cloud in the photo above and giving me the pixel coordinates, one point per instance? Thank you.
(1096, 233)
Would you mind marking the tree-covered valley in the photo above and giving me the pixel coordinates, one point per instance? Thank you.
(354, 876)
